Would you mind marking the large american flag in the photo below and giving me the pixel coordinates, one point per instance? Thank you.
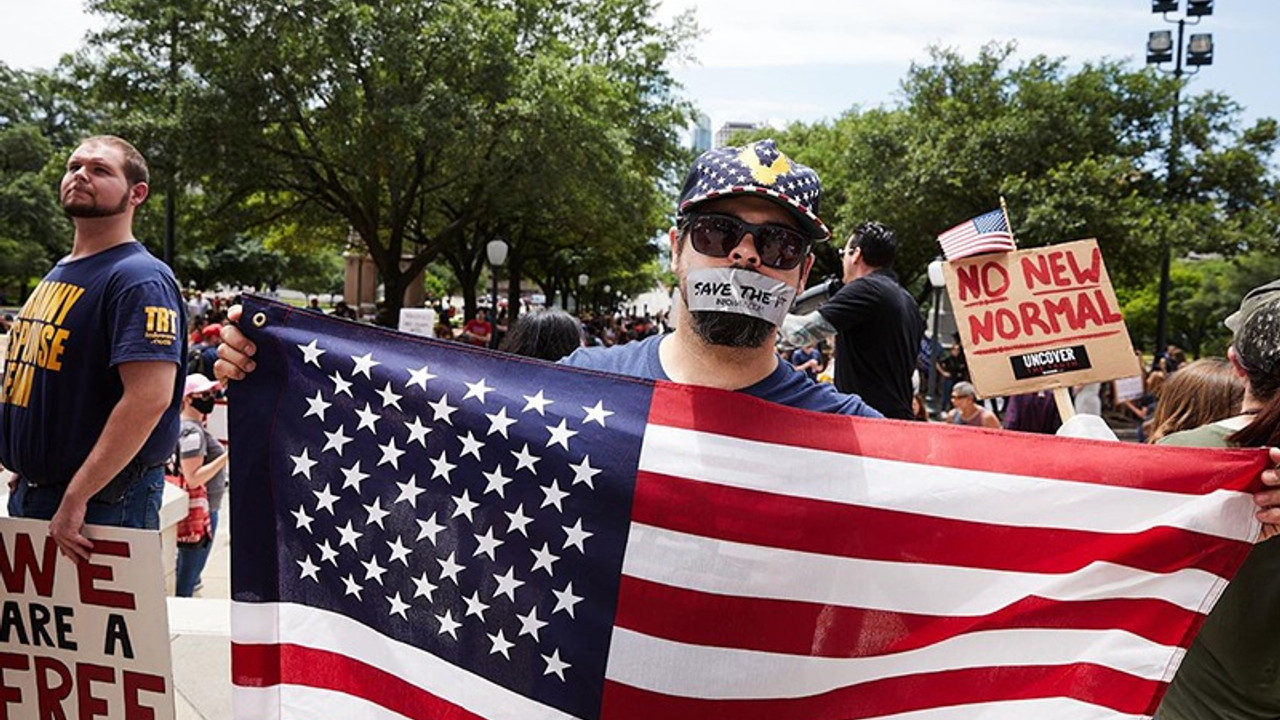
(430, 530)
(988, 232)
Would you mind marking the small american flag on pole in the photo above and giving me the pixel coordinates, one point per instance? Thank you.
(988, 232)
(428, 530)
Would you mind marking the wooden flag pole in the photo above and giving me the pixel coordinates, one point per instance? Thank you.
(1066, 409)
(1004, 208)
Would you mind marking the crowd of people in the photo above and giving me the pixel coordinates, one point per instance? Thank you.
(134, 392)
(956, 400)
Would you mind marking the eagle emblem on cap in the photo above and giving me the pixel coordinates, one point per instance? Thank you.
(765, 175)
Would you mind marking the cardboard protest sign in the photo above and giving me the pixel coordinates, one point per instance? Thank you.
(86, 640)
(1038, 318)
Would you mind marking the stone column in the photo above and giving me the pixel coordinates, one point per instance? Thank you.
(417, 292)
(360, 288)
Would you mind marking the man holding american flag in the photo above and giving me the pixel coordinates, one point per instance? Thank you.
(429, 530)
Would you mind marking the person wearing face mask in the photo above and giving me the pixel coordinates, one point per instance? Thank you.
(746, 222)
(204, 463)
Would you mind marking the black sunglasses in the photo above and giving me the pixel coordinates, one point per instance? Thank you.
(780, 248)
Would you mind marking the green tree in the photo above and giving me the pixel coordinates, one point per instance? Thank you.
(1203, 292)
(33, 230)
(418, 125)
(1077, 154)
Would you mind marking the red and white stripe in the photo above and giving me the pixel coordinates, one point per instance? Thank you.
(786, 564)
(813, 567)
(986, 243)
(964, 240)
(294, 662)
(973, 243)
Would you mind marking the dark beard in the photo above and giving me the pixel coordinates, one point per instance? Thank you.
(732, 330)
(93, 211)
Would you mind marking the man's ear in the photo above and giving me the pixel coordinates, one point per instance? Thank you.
(138, 194)
(673, 236)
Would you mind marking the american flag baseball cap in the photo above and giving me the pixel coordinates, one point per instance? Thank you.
(758, 169)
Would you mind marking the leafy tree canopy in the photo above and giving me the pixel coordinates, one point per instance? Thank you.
(1076, 154)
(427, 128)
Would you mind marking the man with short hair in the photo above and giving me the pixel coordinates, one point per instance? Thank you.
(877, 324)
(93, 385)
(198, 306)
(807, 359)
(741, 249)
(967, 411)
(478, 331)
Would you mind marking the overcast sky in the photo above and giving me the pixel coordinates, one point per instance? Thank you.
(807, 60)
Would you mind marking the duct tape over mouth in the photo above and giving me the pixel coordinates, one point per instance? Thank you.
(741, 292)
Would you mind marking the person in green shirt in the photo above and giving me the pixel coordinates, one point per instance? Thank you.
(1232, 671)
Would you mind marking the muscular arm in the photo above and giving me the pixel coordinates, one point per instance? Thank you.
(148, 390)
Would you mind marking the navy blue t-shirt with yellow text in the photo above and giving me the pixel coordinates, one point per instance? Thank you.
(61, 381)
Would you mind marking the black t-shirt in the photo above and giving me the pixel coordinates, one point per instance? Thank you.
(956, 366)
(879, 331)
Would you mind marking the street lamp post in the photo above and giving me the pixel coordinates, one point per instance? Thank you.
(1162, 49)
(939, 282)
(497, 251)
(583, 279)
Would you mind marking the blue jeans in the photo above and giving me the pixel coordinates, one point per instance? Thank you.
(191, 560)
(137, 505)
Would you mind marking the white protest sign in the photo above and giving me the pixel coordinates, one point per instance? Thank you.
(1129, 388)
(418, 321)
(88, 640)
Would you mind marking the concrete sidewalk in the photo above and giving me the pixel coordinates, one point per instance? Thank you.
(200, 631)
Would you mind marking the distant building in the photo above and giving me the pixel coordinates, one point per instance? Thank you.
(728, 129)
(702, 134)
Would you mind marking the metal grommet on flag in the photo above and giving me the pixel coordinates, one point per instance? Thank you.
(259, 319)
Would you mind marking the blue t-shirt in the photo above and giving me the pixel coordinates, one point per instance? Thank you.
(801, 356)
(86, 317)
(785, 385)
